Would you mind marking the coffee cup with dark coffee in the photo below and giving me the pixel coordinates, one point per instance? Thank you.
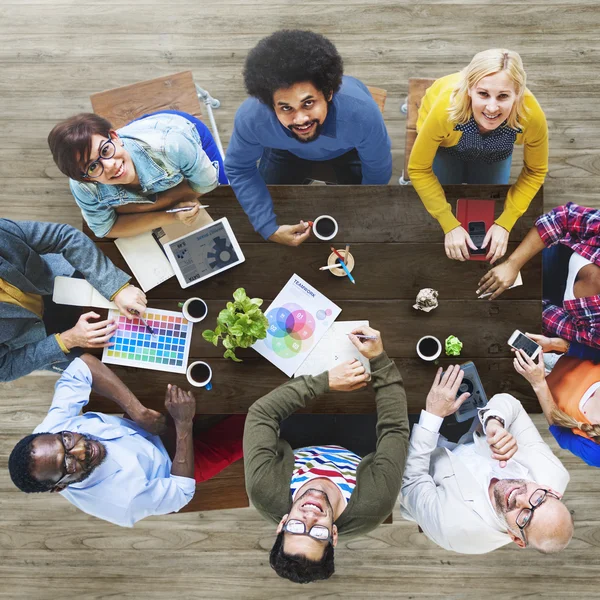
(199, 374)
(429, 348)
(194, 310)
(325, 227)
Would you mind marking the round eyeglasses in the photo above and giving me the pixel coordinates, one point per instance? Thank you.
(317, 532)
(96, 168)
(526, 514)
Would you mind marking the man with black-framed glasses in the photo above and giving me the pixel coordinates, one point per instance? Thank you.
(315, 493)
(501, 483)
(115, 468)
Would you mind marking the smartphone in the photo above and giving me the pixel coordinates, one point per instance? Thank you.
(477, 234)
(519, 341)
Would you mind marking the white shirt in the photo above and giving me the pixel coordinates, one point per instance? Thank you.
(135, 480)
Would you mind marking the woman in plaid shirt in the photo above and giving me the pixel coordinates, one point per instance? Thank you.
(571, 236)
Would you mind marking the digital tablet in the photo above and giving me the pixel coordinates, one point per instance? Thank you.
(204, 252)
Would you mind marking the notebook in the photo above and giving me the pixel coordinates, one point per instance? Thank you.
(78, 292)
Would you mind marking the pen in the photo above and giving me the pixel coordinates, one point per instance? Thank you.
(186, 208)
(137, 314)
(327, 267)
(363, 337)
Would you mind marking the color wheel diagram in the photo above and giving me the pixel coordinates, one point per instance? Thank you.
(291, 329)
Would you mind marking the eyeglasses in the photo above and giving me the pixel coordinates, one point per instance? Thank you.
(535, 501)
(317, 532)
(96, 168)
(69, 462)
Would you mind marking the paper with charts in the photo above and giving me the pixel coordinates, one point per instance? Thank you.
(167, 350)
(298, 318)
(333, 349)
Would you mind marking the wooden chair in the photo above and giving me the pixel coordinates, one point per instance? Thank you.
(417, 86)
(323, 172)
(171, 92)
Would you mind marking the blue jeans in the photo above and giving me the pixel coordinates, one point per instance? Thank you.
(280, 167)
(208, 142)
(450, 169)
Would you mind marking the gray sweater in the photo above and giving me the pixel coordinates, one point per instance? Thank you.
(269, 461)
(32, 254)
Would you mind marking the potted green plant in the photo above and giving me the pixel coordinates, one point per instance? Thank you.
(239, 324)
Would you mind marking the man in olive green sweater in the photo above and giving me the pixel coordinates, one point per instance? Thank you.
(316, 493)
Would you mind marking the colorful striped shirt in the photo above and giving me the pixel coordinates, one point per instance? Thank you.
(332, 462)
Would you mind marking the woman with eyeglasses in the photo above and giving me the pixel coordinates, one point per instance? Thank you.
(467, 126)
(570, 399)
(124, 181)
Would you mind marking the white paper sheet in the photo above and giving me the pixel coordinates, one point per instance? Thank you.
(333, 349)
(78, 292)
(298, 318)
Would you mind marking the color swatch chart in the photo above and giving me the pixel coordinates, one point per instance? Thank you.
(167, 349)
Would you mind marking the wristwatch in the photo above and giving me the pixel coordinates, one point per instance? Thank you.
(497, 418)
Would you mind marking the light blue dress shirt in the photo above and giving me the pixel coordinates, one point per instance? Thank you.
(135, 480)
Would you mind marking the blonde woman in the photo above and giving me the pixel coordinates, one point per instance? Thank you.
(467, 126)
(570, 399)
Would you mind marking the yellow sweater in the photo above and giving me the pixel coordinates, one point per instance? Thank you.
(435, 129)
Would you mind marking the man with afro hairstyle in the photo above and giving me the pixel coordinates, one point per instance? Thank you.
(303, 110)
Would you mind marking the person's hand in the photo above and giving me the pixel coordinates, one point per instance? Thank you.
(89, 335)
(457, 243)
(348, 376)
(180, 404)
(291, 235)
(498, 279)
(497, 238)
(442, 400)
(151, 420)
(549, 344)
(368, 348)
(502, 444)
(534, 372)
(130, 298)
(187, 217)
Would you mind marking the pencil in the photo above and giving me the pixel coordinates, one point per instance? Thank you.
(346, 254)
(186, 208)
(327, 267)
(337, 253)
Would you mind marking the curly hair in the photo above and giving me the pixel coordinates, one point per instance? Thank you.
(19, 467)
(298, 568)
(292, 56)
(70, 142)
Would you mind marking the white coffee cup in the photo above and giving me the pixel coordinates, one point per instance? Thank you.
(322, 237)
(207, 381)
(436, 354)
(186, 314)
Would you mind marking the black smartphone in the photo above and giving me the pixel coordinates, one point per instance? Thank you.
(477, 234)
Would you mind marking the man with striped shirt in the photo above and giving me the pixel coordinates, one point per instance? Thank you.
(318, 493)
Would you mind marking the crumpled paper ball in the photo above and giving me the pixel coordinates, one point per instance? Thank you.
(426, 300)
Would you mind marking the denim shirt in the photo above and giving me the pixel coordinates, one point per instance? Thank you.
(165, 149)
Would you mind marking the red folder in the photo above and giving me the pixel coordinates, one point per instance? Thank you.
(476, 216)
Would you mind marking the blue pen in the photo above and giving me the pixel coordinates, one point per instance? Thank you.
(343, 265)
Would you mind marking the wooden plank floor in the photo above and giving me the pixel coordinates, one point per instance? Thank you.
(54, 55)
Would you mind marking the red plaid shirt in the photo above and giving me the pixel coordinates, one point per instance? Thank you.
(579, 228)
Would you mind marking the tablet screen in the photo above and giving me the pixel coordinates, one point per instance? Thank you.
(204, 252)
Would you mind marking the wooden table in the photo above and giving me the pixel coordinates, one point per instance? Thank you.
(398, 250)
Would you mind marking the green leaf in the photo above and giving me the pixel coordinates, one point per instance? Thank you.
(257, 301)
(228, 342)
(231, 354)
(239, 295)
(208, 335)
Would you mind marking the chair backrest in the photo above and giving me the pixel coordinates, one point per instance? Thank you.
(172, 92)
(379, 95)
(417, 86)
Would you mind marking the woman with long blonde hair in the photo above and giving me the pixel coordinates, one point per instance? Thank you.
(467, 126)
(570, 399)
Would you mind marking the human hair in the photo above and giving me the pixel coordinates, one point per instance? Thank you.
(562, 419)
(70, 142)
(292, 56)
(489, 62)
(19, 467)
(298, 568)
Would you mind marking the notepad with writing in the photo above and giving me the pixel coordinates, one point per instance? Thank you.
(78, 292)
(333, 349)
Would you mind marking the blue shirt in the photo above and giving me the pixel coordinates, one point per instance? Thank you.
(165, 149)
(135, 480)
(353, 121)
(587, 450)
